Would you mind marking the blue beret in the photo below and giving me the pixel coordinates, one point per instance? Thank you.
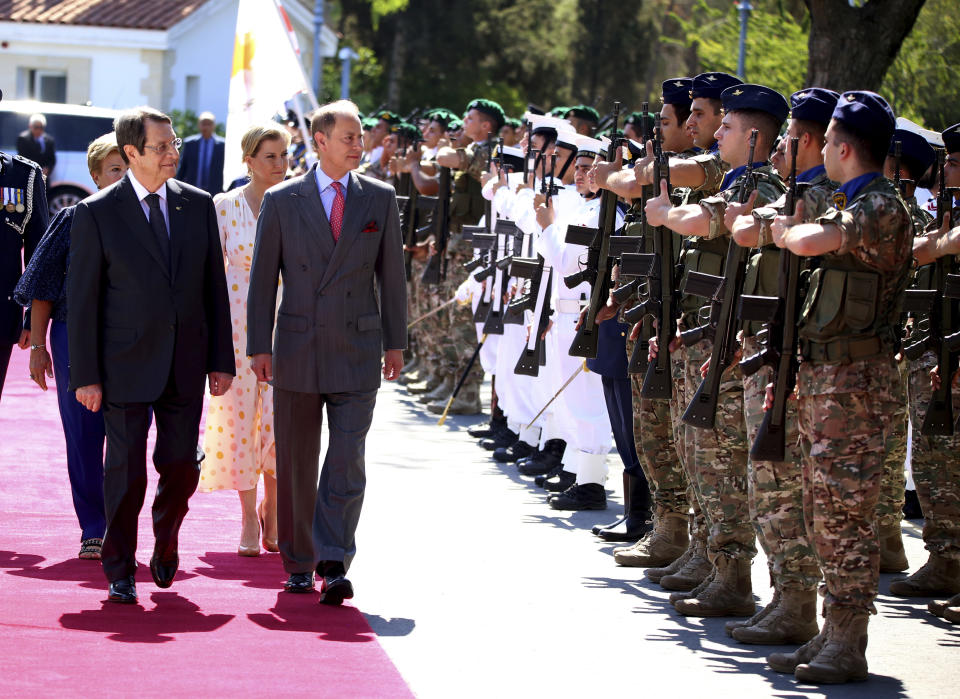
(758, 97)
(712, 84)
(865, 113)
(951, 138)
(677, 91)
(813, 104)
(915, 151)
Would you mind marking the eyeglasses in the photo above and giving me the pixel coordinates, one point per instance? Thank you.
(165, 148)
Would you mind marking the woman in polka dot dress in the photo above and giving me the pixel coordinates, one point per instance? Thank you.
(238, 441)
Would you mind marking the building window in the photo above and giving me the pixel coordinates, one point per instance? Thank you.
(191, 102)
(42, 85)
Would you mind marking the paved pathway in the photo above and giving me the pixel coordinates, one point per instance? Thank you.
(477, 588)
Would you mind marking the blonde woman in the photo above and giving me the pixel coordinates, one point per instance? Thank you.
(238, 442)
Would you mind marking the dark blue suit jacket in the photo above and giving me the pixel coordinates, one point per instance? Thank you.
(189, 168)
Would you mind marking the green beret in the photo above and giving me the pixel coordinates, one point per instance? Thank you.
(389, 117)
(491, 109)
(440, 115)
(407, 131)
(513, 123)
(368, 123)
(582, 111)
(454, 124)
(559, 112)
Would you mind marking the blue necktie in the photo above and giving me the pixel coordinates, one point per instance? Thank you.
(204, 162)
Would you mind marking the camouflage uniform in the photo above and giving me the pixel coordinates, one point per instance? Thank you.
(935, 461)
(847, 388)
(466, 208)
(721, 455)
(776, 488)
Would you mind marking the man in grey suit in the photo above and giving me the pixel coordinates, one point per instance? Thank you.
(335, 236)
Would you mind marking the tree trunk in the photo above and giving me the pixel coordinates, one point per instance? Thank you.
(851, 48)
(398, 60)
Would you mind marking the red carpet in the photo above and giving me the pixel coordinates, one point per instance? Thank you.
(224, 627)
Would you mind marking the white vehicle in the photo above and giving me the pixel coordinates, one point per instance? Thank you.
(73, 127)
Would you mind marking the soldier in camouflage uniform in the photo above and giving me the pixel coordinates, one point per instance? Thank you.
(721, 452)
(776, 488)
(917, 156)
(483, 120)
(935, 459)
(847, 377)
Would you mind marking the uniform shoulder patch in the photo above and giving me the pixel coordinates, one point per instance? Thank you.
(24, 161)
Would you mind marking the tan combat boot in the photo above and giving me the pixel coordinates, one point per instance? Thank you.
(793, 620)
(938, 607)
(939, 576)
(429, 382)
(729, 594)
(441, 391)
(893, 559)
(657, 574)
(693, 572)
(843, 657)
(467, 402)
(662, 544)
(755, 619)
(788, 662)
(690, 594)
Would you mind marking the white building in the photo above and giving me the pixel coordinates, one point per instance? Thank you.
(170, 54)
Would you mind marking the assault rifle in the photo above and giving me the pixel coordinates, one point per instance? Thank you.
(534, 353)
(782, 315)
(724, 293)
(436, 268)
(597, 270)
(939, 333)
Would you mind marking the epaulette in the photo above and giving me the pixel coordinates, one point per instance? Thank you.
(26, 161)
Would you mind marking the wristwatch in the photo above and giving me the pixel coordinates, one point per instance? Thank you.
(37, 347)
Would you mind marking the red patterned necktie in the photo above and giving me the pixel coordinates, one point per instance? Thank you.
(336, 211)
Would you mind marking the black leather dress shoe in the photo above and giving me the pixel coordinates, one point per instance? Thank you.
(487, 429)
(123, 591)
(560, 482)
(540, 480)
(163, 572)
(299, 582)
(334, 589)
(588, 496)
(501, 439)
(517, 450)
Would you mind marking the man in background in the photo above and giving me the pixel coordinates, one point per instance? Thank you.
(37, 145)
(201, 159)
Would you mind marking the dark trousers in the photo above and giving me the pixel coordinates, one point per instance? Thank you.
(619, 397)
(318, 521)
(5, 351)
(125, 473)
(84, 433)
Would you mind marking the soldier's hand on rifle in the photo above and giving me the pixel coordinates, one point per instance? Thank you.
(735, 210)
(653, 344)
(657, 208)
(945, 241)
(608, 311)
(768, 397)
(603, 169)
(545, 215)
(583, 317)
(501, 181)
(419, 252)
(782, 224)
(448, 157)
(643, 168)
(543, 335)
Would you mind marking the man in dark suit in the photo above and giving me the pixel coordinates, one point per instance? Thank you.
(336, 236)
(201, 158)
(37, 145)
(149, 317)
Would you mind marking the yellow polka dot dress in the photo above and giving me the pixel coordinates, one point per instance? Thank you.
(238, 441)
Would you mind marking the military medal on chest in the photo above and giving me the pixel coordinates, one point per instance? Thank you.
(19, 205)
(8, 200)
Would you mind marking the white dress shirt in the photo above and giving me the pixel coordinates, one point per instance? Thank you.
(328, 193)
(142, 193)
